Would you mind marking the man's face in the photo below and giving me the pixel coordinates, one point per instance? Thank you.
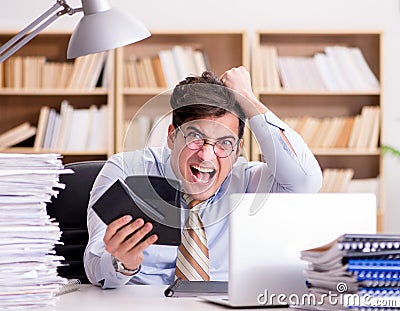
(201, 171)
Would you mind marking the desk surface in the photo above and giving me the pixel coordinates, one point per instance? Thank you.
(131, 297)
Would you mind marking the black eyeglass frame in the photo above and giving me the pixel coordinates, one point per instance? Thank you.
(207, 141)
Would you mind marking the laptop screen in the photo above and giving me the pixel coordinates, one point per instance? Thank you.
(268, 231)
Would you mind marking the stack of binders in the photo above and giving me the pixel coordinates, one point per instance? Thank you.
(366, 266)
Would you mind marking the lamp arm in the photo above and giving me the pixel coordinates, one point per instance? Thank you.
(29, 32)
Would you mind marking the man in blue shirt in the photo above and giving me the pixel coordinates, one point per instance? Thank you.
(203, 151)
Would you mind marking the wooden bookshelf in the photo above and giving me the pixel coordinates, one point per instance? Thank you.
(291, 101)
(223, 50)
(22, 103)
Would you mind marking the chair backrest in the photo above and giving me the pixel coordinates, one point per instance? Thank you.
(70, 211)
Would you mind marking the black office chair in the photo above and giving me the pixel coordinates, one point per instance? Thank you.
(70, 210)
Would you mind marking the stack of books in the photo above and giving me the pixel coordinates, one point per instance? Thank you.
(165, 68)
(335, 68)
(28, 263)
(16, 135)
(360, 270)
(358, 133)
(72, 129)
(36, 72)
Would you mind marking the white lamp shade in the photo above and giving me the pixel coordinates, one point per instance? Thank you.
(105, 30)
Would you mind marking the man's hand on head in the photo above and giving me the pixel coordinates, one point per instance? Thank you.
(238, 79)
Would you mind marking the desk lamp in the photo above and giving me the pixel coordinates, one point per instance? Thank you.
(101, 28)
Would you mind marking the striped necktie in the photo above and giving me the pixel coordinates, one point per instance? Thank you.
(192, 262)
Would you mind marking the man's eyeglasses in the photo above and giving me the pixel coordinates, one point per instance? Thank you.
(222, 148)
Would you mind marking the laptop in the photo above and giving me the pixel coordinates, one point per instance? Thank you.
(268, 231)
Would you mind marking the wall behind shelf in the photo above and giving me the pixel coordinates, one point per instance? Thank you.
(270, 14)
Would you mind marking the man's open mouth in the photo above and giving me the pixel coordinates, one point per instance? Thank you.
(202, 174)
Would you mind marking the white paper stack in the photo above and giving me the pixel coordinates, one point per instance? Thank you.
(28, 264)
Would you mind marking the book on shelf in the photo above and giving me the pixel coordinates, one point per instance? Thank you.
(298, 73)
(365, 127)
(56, 74)
(334, 130)
(287, 73)
(349, 71)
(342, 140)
(56, 130)
(373, 140)
(310, 129)
(336, 180)
(150, 75)
(41, 127)
(321, 133)
(16, 135)
(184, 61)
(32, 68)
(50, 70)
(179, 58)
(365, 71)
(338, 72)
(269, 76)
(168, 66)
(49, 130)
(367, 130)
(143, 75)
(323, 65)
(77, 72)
(131, 78)
(158, 72)
(13, 72)
(201, 61)
(87, 70)
(64, 133)
(98, 131)
(79, 130)
(95, 70)
(107, 71)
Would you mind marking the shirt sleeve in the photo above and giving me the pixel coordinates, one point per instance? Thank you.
(296, 171)
(97, 261)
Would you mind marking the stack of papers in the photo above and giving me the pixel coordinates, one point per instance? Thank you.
(28, 264)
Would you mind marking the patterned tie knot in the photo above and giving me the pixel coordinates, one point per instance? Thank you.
(190, 201)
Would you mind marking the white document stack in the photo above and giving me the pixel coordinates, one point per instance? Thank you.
(28, 264)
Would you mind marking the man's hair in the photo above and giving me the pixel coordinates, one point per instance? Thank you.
(199, 97)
